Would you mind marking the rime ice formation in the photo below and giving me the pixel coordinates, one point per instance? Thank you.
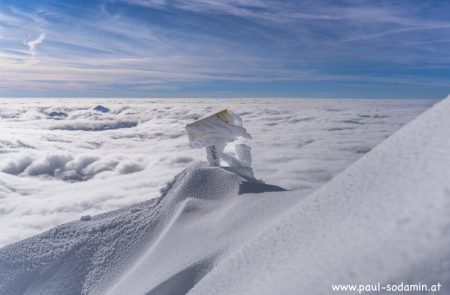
(214, 132)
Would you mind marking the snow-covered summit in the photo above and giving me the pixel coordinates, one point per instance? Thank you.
(101, 109)
(384, 219)
(194, 223)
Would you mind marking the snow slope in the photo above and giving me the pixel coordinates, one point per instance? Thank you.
(384, 219)
(196, 221)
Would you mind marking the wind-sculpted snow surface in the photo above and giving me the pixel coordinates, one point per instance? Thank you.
(384, 219)
(62, 159)
(177, 238)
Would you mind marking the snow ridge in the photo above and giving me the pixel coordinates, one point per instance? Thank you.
(104, 253)
(384, 219)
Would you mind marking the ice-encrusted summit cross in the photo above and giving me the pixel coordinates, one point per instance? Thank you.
(214, 132)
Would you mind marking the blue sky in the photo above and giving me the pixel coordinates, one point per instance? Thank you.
(225, 48)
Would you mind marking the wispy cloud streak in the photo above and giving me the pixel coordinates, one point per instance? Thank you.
(145, 45)
(33, 43)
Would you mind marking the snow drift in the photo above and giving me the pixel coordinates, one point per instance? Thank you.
(212, 231)
(180, 235)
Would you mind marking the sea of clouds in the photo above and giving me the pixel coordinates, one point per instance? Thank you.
(61, 158)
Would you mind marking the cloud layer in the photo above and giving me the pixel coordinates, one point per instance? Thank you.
(54, 169)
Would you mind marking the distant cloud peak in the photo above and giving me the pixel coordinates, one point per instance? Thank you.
(34, 43)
